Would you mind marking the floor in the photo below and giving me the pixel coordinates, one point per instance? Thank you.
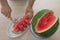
(18, 9)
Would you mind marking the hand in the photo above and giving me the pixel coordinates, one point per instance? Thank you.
(6, 10)
(29, 11)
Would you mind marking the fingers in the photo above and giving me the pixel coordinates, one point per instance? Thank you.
(30, 14)
(11, 18)
(29, 11)
(26, 11)
(6, 11)
(9, 14)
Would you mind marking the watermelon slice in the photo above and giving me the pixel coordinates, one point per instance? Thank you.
(45, 23)
(21, 25)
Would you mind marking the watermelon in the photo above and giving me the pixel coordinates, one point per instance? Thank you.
(21, 25)
(45, 23)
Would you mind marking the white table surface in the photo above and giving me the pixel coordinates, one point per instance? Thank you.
(18, 7)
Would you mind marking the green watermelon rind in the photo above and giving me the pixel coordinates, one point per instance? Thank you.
(40, 19)
(50, 31)
(46, 28)
(45, 33)
(36, 18)
(19, 31)
(16, 32)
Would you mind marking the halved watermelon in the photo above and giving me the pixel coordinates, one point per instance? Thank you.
(45, 23)
(21, 25)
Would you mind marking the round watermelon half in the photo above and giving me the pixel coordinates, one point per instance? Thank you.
(45, 23)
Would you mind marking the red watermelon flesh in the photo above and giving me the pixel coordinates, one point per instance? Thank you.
(21, 27)
(45, 21)
(21, 24)
(26, 17)
(15, 26)
(17, 30)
